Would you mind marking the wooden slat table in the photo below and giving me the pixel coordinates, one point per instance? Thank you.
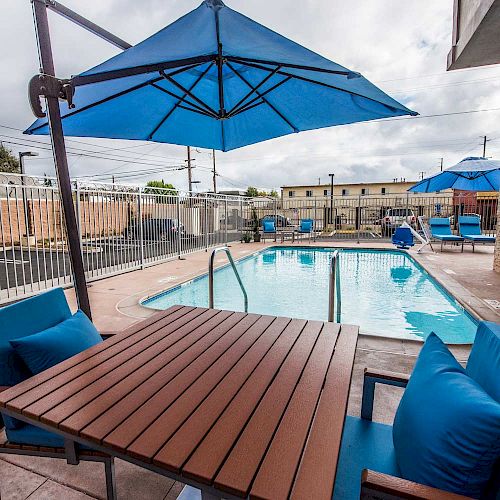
(238, 405)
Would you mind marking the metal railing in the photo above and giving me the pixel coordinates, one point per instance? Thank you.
(211, 276)
(334, 292)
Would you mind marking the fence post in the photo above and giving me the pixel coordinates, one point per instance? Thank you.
(407, 205)
(179, 241)
(78, 213)
(206, 222)
(225, 219)
(141, 228)
(276, 213)
(360, 217)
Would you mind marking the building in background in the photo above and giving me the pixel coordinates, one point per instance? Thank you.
(476, 34)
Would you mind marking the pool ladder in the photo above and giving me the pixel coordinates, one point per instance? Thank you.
(334, 298)
(211, 276)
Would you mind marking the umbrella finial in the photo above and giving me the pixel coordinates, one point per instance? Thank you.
(214, 4)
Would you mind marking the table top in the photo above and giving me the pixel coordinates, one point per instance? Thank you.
(251, 405)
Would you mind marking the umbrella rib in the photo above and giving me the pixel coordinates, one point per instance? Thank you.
(190, 94)
(322, 84)
(246, 108)
(138, 70)
(284, 118)
(254, 89)
(259, 96)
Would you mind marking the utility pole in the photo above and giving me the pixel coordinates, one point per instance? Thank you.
(485, 140)
(442, 159)
(214, 172)
(422, 175)
(189, 167)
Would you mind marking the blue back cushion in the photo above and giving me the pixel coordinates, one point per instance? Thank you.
(446, 431)
(484, 360)
(269, 226)
(403, 234)
(306, 225)
(25, 318)
(469, 225)
(45, 349)
(440, 226)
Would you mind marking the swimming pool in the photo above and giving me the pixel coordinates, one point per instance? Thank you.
(386, 293)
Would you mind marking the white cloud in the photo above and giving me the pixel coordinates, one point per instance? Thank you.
(396, 45)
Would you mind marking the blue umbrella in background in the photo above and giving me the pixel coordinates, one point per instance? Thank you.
(471, 174)
(216, 79)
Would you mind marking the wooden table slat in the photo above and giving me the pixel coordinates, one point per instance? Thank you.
(154, 437)
(133, 356)
(316, 475)
(238, 471)
(31, 390)
(159, 387)
(211, 452)
(144, 364)
(175, 452)
(284, 453)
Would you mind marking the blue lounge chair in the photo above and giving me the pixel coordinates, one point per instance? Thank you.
(306, 227)
(367, 449)
(268, 228)
(441, 230)
(403, 238)
(25, 318)
(470, 229)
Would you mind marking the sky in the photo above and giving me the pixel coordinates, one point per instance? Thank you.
(401, 46)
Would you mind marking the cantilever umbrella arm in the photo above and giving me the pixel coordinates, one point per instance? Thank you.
(53, 89)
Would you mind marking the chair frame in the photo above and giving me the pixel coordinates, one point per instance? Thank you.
(378, 486)
(70, 453)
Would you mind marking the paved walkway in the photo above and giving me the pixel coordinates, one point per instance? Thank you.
(115, 305)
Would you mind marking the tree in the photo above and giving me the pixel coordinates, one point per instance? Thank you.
(159, 187)
(273, 193)
(252, 192)
(8, 162)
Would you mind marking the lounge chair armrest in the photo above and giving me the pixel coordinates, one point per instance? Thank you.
(2, 388)
(107, 335)
(377, 486)
(372, 377)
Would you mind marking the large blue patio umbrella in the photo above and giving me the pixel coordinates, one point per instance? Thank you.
(471, 174)
(216, 79)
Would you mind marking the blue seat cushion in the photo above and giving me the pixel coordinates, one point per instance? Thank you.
(484, 360)
(269, 226)
(480, 237)
(365, 445)
(447, 428)
(447, 237)
(47, 348)
(26, 318)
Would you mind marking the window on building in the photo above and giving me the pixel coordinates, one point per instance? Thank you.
(309, 193)
(383, 191)
(345, 192)
(364, 191)
(326, 192)
(291, 194)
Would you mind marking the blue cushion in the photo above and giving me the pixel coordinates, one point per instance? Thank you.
(31, 435)
(365, 445)
(484, 360)
(26, 318)
(49, 347)
(306, 226)
(447, 428)
(269, 226)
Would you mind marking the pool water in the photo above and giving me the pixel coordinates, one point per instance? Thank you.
(386, 293)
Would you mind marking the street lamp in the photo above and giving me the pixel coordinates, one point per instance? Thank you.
(26, 206)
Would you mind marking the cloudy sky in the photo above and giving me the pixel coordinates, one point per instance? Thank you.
(401, 46)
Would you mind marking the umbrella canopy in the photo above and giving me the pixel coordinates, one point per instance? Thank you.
(216, 79)
(471, 174)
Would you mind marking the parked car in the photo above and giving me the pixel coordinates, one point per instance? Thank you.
(281, 220)
(394, 217)
(154, 229)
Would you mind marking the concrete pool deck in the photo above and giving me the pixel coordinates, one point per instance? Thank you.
(115, 305)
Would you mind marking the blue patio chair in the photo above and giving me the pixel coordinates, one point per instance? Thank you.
(469, 227)
(403, 238)
(367, 462)
(268, 228)
(306, 227)
(20, 320)
(441, 230)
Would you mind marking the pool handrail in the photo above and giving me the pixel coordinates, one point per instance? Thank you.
(211, 276)
(334, 297)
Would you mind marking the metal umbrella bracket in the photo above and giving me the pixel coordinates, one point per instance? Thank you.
(213, 79)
